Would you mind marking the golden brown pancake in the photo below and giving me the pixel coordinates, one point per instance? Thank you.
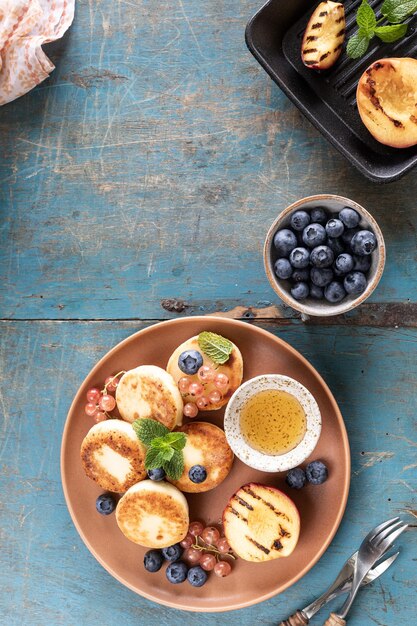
(153, 514)
(207, 446)
(113, 456)
(233, 368)
(149, 391)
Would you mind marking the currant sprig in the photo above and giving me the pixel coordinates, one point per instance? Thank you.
(207, 547)
(99, 402)
(204, 546)
(190, 387)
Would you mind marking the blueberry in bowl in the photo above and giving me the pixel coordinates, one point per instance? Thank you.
(324, 255)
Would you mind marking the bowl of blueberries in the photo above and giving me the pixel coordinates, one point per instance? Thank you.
(324, 255)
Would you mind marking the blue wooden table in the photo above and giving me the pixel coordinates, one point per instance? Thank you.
(137, 185)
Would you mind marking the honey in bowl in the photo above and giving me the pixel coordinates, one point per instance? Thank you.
(273, 421)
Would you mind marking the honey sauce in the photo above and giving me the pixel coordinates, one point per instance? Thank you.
(272, 421)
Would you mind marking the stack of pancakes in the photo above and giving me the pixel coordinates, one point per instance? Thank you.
(155, 514)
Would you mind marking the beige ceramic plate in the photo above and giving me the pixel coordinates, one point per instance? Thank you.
(321, 508)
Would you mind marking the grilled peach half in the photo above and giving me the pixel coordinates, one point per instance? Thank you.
(261, 523)
(387, 101)
(324, 36)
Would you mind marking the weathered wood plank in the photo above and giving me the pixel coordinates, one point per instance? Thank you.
(48, 577)
(151, 163)
(378, 315)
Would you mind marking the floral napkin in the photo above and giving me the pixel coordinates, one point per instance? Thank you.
(24, 26)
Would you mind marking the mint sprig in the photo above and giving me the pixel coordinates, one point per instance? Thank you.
(215, 346)
(394, 11)
(164, 448)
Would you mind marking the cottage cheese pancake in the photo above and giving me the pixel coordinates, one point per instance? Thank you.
(113, 456)
(232, 369)
(206, 446)
(152, 514)
(149, 391)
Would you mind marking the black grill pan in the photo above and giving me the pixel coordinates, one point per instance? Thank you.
(328, 99)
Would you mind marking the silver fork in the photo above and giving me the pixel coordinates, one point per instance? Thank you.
(371, 549)
(340, 586)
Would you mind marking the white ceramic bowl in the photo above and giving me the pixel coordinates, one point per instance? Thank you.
(333, 204)
(259, 460)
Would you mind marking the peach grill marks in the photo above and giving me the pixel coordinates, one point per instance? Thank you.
(243, 502)
(276, 545)
(238, 515)
(258, 545)
(370, 82)
(268, 504)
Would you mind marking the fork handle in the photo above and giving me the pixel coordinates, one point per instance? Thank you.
(298, 619)
(334, 620)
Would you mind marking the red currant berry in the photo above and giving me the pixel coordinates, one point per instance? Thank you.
(93, 395)
(107, 403)
(91, 409)
(222, 569)
(195, 529)
(210, 535)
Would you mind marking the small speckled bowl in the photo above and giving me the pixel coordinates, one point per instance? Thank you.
(321, 308)
(259, 460)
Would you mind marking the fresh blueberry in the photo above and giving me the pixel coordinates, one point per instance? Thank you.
(338, 273)
(355, 283)
(176, 572)
(321, 276)
(105, 504)
(322, 256)
(318, 215)
(153, 560)
(362, 263)
(316, 473)
(349, 217)
(190, 362)
(314, 235)
(299, 220)
(363, 243)
(197, 474)
(296, 478)
(284, 242)
(336, 244)
(301, 276)
(173, 553)
(334, 227)
(197, 576)
(300, 258)
(156, 474)
(348, 235)
(300, 291)
(334, 292)
(316, 292)
(283, 268)
(344, 263)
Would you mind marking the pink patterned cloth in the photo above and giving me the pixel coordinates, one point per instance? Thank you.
(24, 26)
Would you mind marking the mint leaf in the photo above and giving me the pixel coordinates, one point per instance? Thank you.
(167, 453)
(366, 18)
(358, 45)
(396, 11)
(176, 440)
(175, 466)
(147, 429)
(154, 459)
(164, 448)
(159, 443)
(215, 346)
(391, 33)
